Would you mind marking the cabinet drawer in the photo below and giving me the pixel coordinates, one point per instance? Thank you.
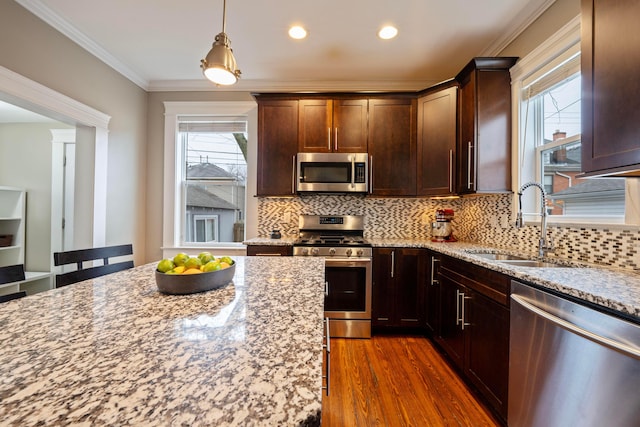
(489, 283)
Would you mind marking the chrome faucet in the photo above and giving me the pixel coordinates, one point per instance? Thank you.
(545, 243)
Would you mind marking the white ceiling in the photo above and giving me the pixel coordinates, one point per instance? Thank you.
(158, 44)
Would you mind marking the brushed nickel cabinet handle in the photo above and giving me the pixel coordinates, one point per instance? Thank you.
(393, 262)
(450, 171)
(433, 271)
(470, 183)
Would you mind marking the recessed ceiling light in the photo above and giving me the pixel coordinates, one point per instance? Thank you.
(297, 32)
(388, 32)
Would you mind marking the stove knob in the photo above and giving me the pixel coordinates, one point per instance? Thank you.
(349, 251)
(360, 252)
(332, 251)
(305, 251)
(315, 251)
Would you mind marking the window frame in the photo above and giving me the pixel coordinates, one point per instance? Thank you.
(545, 57)
(172, 225)
(216, 228)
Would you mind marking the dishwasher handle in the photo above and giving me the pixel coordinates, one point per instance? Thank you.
(607, 342)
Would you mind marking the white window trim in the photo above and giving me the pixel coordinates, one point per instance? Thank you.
(171, 221)
(548, 54)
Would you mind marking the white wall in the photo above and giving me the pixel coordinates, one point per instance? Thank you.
(26, 43)
(25, 162)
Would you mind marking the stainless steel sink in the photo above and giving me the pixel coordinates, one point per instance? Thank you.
(532, 263)
(498, 257)
(517, 260)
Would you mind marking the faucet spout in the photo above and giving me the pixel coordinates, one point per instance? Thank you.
(545, 243)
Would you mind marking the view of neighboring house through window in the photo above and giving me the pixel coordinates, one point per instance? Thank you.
(214, 159)
(551, 149)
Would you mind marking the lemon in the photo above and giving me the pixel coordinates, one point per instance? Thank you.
(165, 265)
(178, 270)
(205, 257)
(192, 271)
(192, 262)
(211, 266)
(180, 259)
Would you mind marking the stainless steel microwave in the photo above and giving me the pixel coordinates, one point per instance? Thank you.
(333, 172)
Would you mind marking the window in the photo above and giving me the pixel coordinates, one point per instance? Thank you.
(547, 95)
(214, 176)
(209, 168)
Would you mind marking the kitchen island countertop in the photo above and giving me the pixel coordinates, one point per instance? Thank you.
(115, 351)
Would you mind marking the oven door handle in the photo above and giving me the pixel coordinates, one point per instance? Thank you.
(347, 262)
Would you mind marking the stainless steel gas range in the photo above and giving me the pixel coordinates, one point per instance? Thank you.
(340, 240)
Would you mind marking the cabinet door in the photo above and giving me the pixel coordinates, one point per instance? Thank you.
(484, 150)
(467, 128)
(610, 87)
(409, 283)
(437, 113)
(277, 147)
(350, 125)
(315, 125)
(382, 294)
(392, 146)
(488, 349)
(451, 334)
(432, 295)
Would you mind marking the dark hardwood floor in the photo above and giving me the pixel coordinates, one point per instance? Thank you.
(396, 381)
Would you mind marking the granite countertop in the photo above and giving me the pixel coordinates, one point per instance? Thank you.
(613, 289)
(115, 351)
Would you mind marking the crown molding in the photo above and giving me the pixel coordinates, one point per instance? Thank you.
(531, 12)
(204, 85)
(57, 22)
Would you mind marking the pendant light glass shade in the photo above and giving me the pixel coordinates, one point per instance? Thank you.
(220, 66)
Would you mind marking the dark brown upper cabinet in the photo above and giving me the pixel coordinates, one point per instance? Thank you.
(484, 126)
(333, 125)
(437, 124)
(277, 146)
(610, 88)
(392, 146)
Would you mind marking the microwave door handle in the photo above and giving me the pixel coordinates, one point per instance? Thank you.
(353, 171)
(371, 174)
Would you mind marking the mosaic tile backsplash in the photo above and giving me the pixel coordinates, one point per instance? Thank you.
(483, 219)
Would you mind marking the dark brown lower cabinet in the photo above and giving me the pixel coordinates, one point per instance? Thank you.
(432, 294)
(474, 328)
(398, 288)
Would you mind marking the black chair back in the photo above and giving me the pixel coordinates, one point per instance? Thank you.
(80, 256)
(15, 295)
(11, 273)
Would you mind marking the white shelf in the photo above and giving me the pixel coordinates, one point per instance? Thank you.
(35, 275)
(12, 221)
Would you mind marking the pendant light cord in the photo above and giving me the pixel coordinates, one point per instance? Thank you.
(224, 16)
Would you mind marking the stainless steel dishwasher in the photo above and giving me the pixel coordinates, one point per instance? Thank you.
(570, 365)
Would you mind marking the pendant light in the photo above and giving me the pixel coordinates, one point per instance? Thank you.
(220, 66)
